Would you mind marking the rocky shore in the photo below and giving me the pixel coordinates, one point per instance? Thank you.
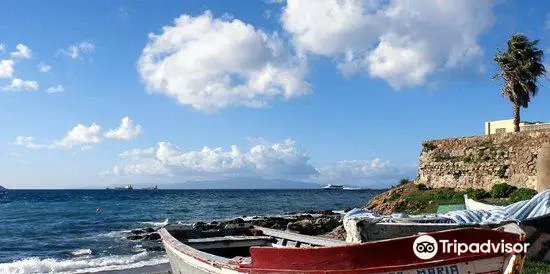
(324, 223)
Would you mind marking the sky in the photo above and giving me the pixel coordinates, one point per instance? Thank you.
(102, 93)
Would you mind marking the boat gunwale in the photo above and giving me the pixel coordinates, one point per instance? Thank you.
(205, 257)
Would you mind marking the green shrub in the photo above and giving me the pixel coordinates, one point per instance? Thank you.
(477, 194)
(523, 193)
(502, 190)
(403, 182)
(446, 193)
(467, 159)
(422, 187)
(393, 197)
(427, 146)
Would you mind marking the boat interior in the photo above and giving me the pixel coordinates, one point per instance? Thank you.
(236, 242)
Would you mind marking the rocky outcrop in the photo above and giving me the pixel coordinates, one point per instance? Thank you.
(482, 161)
(388, 202)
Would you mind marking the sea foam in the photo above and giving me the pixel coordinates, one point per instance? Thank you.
(81, 252)
(115, 262)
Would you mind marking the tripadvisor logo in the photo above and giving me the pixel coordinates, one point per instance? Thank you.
(426, 247)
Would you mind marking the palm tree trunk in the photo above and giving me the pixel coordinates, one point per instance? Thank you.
(516, 118)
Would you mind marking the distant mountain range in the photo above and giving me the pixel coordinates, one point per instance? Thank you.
(241, 183)
(2, 188)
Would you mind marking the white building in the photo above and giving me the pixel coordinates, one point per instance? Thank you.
(505, 126)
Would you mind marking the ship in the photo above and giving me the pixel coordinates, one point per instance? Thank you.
(126, 187)
(331, 186)
(151, 188)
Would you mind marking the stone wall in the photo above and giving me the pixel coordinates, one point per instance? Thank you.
(482, 161)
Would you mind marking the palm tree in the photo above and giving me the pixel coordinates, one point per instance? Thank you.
(520, 68)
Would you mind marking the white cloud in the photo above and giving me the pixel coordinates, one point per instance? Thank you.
(267, 14)
(400, 41)
(126, 131)
(19, 85)
(282, 160)
(79, 135)
(79, 49)
(44, 68)
(189, 61)
(2, 48)
(55, 89)
(22, 51)
(26, 141)
(6, 68)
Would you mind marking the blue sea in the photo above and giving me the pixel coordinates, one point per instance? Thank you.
(60, 231)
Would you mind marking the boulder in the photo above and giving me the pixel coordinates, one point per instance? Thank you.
(152, 237)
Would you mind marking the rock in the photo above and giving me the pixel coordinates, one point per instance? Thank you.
(322, 212)
(152, 237)
(338, 233)
(138, 231)
(313, 227)
(134, 237)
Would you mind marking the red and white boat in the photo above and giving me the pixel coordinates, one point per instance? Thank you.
(262, 250)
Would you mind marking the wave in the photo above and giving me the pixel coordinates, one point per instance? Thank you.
(352, 188)
(157, 224)
(107, 263)
(81, 252)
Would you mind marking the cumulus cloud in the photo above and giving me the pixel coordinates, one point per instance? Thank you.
(20, 85)
(126, 130)
(44, 68)
(55, 89)
(84, 136)
(189, 62)
(6, 68)
(399, 41)
(26, 141)
(22, 51)
(77, 50)
(79, 135)
(282, 160)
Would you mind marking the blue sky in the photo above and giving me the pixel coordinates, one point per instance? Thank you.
(320, 91)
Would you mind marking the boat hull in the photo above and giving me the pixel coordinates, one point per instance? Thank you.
(339, 258)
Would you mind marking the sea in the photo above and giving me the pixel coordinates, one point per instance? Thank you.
(85, 231)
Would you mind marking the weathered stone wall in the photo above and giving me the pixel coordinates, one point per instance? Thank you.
(482, 161)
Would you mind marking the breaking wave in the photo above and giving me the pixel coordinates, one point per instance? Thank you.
(81, 252)
(157, 224)
(107, 263)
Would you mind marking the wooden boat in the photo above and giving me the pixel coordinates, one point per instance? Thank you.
(258, 250)
(475, 205)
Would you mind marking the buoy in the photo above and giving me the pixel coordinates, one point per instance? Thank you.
(98, 210)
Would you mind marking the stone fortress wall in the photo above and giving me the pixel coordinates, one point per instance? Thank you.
(483, 161)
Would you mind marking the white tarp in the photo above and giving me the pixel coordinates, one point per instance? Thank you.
(538, 206)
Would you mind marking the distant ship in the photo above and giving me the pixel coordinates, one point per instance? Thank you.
(126, 187)
(334, 187)
(151, 188)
